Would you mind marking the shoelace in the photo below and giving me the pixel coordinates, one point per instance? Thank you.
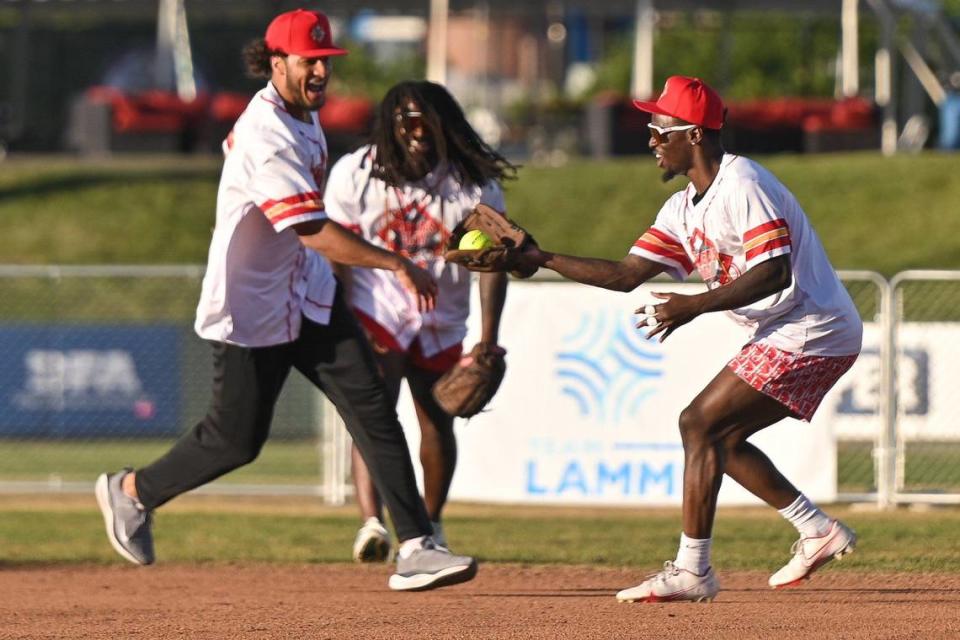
(796, 546)
(669, 570)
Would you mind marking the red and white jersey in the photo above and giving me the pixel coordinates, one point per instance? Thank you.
(747, 217)
(260, 277)
(414, 220)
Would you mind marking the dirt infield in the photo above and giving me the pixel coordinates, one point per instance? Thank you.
(505, 601)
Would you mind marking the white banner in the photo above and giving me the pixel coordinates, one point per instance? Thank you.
(928, 367)
(588, 411)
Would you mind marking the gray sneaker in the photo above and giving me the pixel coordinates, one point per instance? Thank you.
(128, 524)
(430, 567)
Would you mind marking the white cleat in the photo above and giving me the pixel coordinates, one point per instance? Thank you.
(673, 584)
(809, 554)
(372, 543)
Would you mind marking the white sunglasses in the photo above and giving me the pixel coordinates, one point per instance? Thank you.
(660, 132)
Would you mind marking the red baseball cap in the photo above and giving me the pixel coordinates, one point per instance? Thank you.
(303, 33)
(688, 99)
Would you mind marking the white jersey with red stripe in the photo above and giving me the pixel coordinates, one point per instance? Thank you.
(260, 278)
(746, 217)
(414, 220)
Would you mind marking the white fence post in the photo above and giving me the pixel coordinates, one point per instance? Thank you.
(886, 451)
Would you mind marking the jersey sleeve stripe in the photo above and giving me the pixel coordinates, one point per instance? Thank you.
(768, 247)
(664, 238)
(662, 248)
(303, 203)
(780, 223)
(282, 212)
(765, 237)
(306, 196)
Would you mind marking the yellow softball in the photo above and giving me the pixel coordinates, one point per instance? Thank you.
(475, 239)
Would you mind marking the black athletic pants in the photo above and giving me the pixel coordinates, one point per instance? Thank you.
(337, 359)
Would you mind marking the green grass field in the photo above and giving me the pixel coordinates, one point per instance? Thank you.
(294, 462)
(195, 529)
(929, 467)
(871, 212)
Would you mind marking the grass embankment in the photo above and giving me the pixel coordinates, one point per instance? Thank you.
(40, 530)
(876, 213)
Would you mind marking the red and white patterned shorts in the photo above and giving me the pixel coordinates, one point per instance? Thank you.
(797, 381)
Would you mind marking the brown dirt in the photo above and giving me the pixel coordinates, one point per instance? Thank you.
(504, 601)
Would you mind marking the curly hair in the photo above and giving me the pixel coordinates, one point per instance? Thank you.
(454, 140)
(256, 57)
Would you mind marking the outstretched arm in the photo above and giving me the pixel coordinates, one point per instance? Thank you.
(624, 275)
(765, 279)
(340, 245)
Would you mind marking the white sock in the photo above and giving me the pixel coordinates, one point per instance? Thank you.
(806, 517)
(694, 554)
(407, 547)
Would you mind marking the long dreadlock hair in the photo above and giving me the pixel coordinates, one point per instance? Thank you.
(473, 161)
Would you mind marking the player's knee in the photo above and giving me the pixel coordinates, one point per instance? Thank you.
(239, 453)
(695, 427)
(691, 425)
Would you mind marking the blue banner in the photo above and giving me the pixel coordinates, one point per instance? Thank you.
(62, 381)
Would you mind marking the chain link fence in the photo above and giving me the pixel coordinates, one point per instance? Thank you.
(103, 370)
(859, 423)
(926, 312)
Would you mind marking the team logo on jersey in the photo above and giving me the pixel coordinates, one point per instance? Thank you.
(318, 34)
(412, 232)
(606, 367)
(715, 268)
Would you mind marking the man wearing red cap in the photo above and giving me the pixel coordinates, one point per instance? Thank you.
(270, 303)
(750, 242)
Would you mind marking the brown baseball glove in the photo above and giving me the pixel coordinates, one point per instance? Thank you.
(467, 388)
(508, 239)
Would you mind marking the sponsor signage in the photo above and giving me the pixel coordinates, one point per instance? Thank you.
(588, 411)
(65, 381)
(927, 370)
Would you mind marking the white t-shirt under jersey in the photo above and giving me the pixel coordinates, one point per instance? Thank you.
(414, 220)
(260, 278)
(746, 217)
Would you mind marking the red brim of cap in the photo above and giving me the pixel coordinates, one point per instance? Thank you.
(320, 53)
(651, 107)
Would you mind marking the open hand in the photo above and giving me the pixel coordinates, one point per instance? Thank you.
(676, 311)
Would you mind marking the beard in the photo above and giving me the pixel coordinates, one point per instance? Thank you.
(303, 101)
(667, 175)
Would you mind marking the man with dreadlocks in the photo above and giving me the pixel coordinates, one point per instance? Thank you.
(424, 170)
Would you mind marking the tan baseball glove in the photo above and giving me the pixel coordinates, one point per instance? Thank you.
(467, 388)
(508, 239)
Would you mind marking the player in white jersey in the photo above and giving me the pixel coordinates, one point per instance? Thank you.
(423, 172)
(747, 237)
(270, 303)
